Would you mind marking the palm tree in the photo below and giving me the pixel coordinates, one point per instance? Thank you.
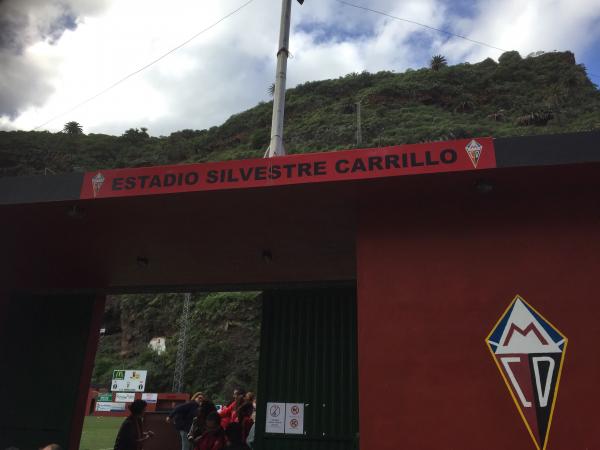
(73, 128)
(437, 62)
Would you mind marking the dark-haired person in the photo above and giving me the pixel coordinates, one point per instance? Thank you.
(131, 435)
(251, 397)
(213, 437)
(199, 422)
(229, 413)
(182, 417)
(234, 438)
(244, 415)
(52, 447)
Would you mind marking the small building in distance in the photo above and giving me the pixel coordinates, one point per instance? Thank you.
(158, 345)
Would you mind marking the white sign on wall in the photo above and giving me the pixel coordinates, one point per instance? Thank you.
(275, 418)
(129, 380)
(150, 398)
(127, 397)
(285, 418)
(110, 407)
(294, 418)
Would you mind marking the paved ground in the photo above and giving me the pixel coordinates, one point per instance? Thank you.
(99, 433)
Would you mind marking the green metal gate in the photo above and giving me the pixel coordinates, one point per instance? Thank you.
(308, 355)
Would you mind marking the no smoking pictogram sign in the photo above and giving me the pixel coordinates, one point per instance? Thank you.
(275, 411)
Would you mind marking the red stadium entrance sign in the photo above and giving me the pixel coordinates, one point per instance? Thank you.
(436, 157)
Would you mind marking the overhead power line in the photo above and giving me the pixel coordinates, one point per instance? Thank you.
(439, 30)
(235, 11)
(126, 77)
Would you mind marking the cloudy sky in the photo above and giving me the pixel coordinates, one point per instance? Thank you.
(54, 54)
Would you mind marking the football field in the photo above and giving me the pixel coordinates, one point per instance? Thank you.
(99, 433)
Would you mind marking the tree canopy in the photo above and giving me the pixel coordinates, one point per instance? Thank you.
(437, 62)
(73, 128)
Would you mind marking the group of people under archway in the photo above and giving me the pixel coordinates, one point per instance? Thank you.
(200, 425)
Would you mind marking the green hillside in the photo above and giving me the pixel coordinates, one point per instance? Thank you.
(537, 95)
(541, 95)
(223, 341)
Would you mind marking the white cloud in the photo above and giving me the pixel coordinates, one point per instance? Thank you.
(230, 67)
(527, 27)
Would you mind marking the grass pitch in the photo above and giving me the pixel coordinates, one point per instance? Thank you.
(99, 433)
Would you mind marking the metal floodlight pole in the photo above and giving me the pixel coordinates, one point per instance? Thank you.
(182, 344)
(276, 146)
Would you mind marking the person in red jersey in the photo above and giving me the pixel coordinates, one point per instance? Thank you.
(213, 437)
(229, 413)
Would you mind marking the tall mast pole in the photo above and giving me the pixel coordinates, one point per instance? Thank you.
(182, 345)
(358, 125)
(276, 146)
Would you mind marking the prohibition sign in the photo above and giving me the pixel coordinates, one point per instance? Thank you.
(275, 411)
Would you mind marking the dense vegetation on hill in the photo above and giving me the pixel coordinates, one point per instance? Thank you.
(514, 96)
(222, 349)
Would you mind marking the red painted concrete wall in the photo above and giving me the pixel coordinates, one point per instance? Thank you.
(434, 275)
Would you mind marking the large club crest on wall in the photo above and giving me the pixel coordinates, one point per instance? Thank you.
(529, 352)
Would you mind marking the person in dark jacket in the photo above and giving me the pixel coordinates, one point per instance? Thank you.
(234, 438)
(213, 437)
(182, 417)
(131, 435)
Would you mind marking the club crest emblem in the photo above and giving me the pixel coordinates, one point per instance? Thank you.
(529, 352)
(474, 150)
(97, 182)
